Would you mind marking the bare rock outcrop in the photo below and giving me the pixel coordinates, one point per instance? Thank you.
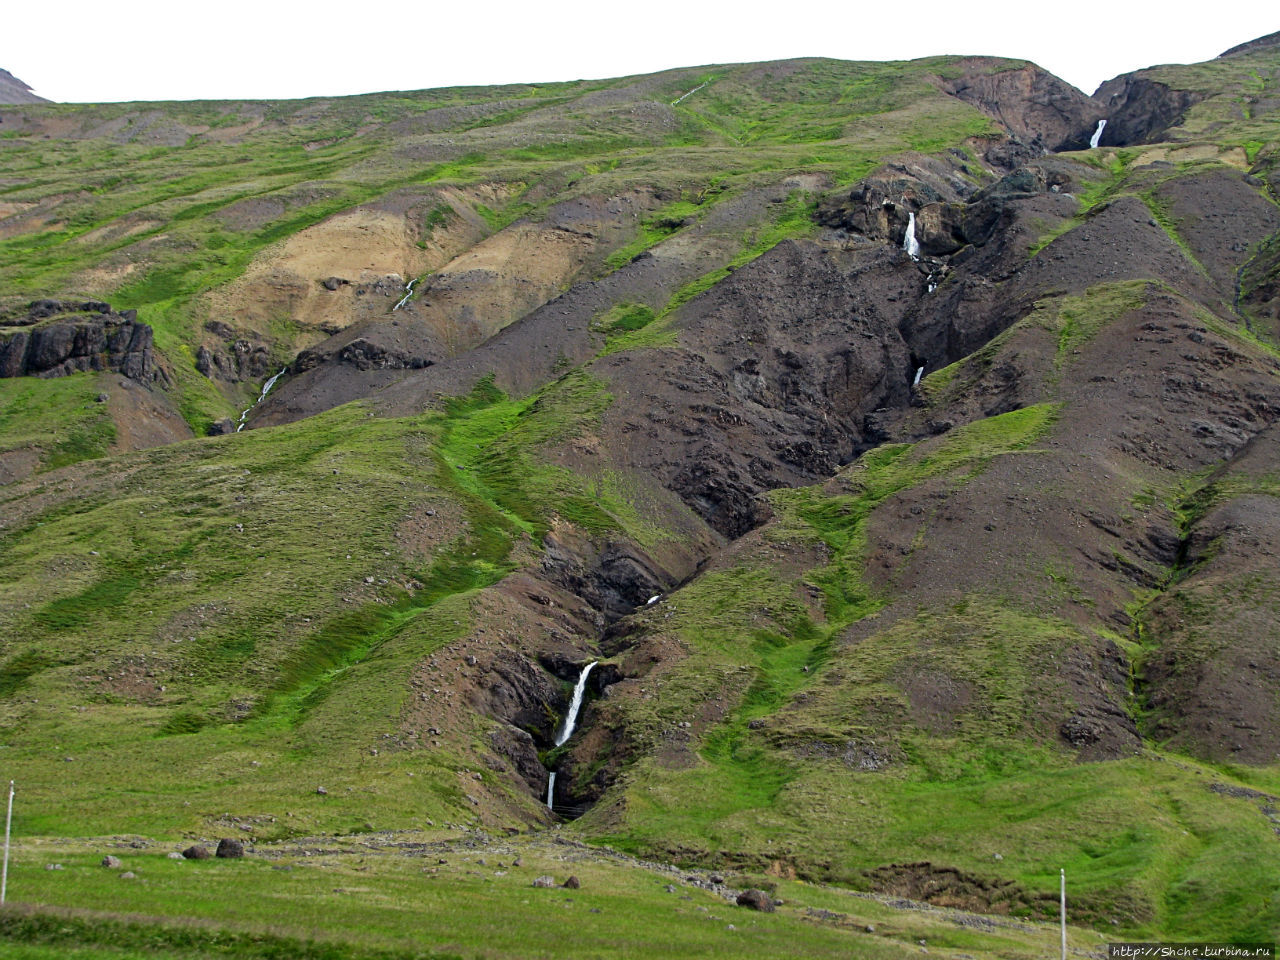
(1140, 110)
(1034, 106)
(56, 338)
(13, 90)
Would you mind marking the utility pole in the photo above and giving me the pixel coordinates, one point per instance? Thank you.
(8, 821)
(1063, 872)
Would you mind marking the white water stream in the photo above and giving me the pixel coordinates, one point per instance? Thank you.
(919, 374)
(909, 241)
(691, 92)
(571, 718)
(266, 388)
(408, 292)
(1097, 135)
(570, 721)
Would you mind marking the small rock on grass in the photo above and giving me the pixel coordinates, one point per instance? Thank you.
(196, 852)
(544, 881)
(112, 862)
(573, 883)
(174, 855)
(128, 875)
(756, 900)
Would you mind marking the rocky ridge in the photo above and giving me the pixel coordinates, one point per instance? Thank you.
(56, 338)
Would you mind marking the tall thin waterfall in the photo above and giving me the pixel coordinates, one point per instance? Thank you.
(1097, 135)
(909, 241)
(571, 718)
(570, 721)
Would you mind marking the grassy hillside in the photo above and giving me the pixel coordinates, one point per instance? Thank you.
(911, 581)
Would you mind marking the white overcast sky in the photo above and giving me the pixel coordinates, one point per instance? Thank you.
(232, 49)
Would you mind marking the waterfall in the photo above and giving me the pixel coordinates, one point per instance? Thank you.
(408, 292)
(570, 720)
(1097, 135)
(575, 705)
(909, 241)
(266, 388)
(919, 373)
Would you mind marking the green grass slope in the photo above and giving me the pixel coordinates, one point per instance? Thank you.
(931, 677)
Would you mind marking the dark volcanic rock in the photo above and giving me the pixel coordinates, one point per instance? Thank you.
(776, 369)
(230, 849)
(57, 338)
(756, 900)
(1139, 110)
(13, 90)
(236, 362)
(518, 748)
(1270, 40)
(1034, 106)
(196, 852)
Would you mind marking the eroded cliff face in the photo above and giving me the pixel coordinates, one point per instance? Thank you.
(1035, 107)
(1140, 110)
(56, 338)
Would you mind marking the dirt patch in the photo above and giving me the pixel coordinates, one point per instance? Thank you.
(143, 418)
(18, 464)
(949, 887)
(359, 247)
(427, 529)
(118, 231)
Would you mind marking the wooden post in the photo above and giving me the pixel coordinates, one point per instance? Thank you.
(8, 821)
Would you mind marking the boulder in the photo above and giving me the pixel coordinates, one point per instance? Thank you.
(112, 862)
(229, 849)
(196, 852)
(755, 900)
(544, 881)
(573, 883)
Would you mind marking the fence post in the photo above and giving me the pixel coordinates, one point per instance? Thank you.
(8, 820)
(1063, 872)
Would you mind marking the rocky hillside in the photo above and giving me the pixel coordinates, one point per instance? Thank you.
(13, 90)
(905, 465)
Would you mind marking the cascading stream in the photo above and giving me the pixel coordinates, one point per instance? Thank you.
(909, 241)
(408, 292)
(1097, 135)
(570, 721)
(266, 388)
